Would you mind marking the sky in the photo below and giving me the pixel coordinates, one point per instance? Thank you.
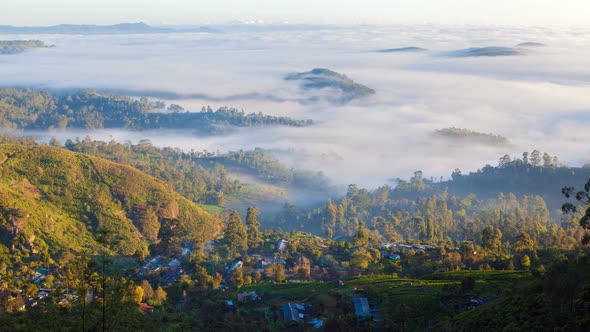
(505, 12)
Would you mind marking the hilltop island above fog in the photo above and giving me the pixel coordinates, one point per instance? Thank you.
(531, 44)
(116, 29)
(464, 135)
(320, 78)
(19, 46)
(485, 51)
(411, 49)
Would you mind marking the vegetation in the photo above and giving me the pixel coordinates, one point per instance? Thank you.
(464, 135)
(19, 46)
(53, 200)
(28, 109)
(321, 78)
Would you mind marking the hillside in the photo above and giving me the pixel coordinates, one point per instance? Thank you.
(87, 109)
(52, 199)
(19, 46)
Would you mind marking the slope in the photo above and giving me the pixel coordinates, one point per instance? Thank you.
(52, 200)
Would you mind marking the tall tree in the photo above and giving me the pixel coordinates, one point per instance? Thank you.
(254, 237)
(361, 238)
(547, 160)
(235, 234)
(583, 196)
(535, 158)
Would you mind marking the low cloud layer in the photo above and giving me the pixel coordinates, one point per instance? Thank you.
(538, 100)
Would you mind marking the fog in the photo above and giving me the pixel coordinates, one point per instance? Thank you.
(539, 100)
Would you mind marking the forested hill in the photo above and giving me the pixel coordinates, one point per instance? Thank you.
(544, 177)
(53, 200)
(87, 109)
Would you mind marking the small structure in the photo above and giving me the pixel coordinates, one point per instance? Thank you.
(248, 297)
(174, 263)
(290, 313)
(282, 245)
(361, 307)
(229, 304)
(295, 312)
(394, 257)
(237, 264)
(145, 307)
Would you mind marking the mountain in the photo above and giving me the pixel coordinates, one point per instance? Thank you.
(485, 52)
(322, 78)
(411, 49)
(74, 29)
(52, 199)
(531, 44)
(19, 46)
(466, 136)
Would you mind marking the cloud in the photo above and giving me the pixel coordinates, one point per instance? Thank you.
(538, 100)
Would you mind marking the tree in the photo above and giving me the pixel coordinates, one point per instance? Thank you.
(582, 196)
(138, 294)
(235, 234)
(329, 233)
(170, 235)
(360, 259)
(203, 279)
(535, 158)
(525, 262)
(361, 238)
(525, 158)
(148, 291)
(237, 277)
(504, 161)
(491, 238)
(547, 160)
(276, 272)
(430, 230)
(160, 295)
(254, 237)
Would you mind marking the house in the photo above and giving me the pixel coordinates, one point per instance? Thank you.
(295, 312)
(282, 245)
(361, 306)
(174, 263)
(235, 265)
(145, 307)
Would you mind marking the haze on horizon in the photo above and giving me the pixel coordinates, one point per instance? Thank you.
(512, 12)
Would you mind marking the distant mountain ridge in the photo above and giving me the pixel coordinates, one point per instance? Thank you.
(83, 29)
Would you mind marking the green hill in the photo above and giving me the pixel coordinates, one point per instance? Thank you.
(52, 199)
